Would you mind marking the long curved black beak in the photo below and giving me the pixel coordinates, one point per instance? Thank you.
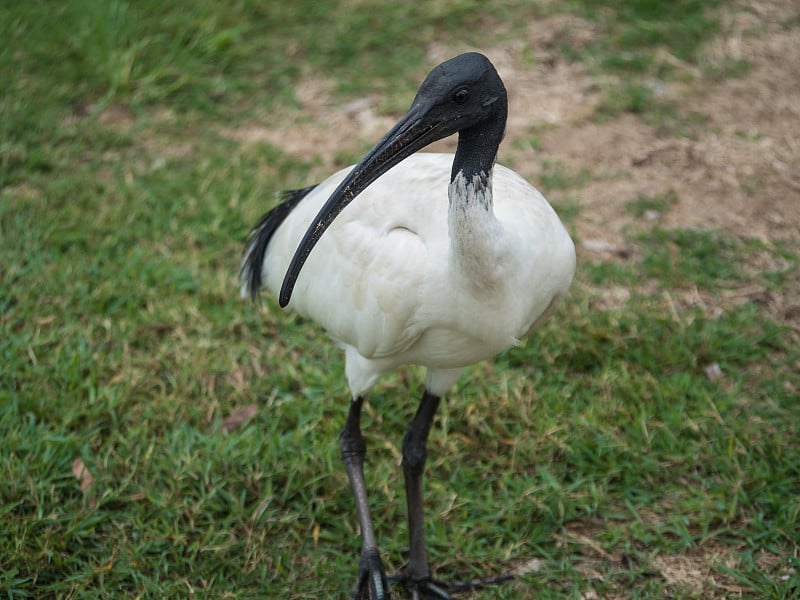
(413, 132)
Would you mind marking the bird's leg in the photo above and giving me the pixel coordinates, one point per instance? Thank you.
(417, 575)
(372, 582)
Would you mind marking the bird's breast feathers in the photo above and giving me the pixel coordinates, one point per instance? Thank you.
(381, 278)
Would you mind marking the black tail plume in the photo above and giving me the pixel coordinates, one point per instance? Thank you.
(251, 271)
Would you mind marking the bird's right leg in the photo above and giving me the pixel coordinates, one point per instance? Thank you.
(372, 582)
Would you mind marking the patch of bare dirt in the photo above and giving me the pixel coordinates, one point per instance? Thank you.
(740, 172)
(316, 128)
(699, 571)
(549, 92)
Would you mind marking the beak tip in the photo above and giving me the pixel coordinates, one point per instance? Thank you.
(286, 292)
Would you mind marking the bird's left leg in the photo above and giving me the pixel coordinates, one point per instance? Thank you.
(372, 581)
(417, 574)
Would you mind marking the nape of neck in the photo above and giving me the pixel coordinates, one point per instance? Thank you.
(478, 145)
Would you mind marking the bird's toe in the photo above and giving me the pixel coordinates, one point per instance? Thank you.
(372, 581)
(428, 589)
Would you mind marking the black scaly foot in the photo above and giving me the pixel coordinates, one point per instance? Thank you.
(372, 581)
(425, 589)
(429, 588)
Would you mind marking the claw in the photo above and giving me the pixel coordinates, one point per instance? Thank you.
(426, 588)
(429, 588)
(372, 581)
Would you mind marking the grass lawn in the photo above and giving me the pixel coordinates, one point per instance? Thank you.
(161, 438)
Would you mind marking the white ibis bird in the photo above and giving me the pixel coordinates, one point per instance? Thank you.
(440, 260)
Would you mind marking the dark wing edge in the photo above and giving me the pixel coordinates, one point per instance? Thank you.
(258, 240)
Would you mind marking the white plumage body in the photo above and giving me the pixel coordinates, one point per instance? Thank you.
(407, 275)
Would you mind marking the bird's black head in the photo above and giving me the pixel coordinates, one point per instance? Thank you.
(463, 95)
(466, 95)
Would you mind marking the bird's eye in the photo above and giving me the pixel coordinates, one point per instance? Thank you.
(460, 96)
